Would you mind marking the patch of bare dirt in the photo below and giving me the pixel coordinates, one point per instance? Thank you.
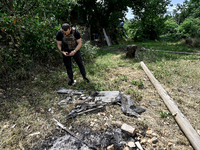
(166, 129)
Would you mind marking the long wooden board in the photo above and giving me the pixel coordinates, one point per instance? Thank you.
(182, 121)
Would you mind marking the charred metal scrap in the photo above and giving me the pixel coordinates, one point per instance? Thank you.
(97, 100)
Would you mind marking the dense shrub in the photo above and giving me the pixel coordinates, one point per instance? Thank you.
(26, 40)
(134, 30)
(190, 27)
(88, 52)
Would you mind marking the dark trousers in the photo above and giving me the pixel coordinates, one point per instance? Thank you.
(79, 61)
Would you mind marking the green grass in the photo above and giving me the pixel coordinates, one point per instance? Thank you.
(105, 73)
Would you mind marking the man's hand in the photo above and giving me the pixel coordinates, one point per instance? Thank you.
(65, 53)
(72, 53)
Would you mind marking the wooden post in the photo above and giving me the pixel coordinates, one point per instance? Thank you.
(183, 123)
(106, 37)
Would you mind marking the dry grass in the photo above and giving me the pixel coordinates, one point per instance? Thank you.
(30, 106)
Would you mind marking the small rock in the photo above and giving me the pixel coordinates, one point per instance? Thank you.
(128, 128)
(154, 140)
(150, 142)
(170, 144)
(154, 145)
(143, 141)
(149, 132)
(139, 135)
(1, 90)
(92, 124)
(111, 147)
(126, 148)
(155, 135)
(131, 144)
(101, 114)
(41, 110)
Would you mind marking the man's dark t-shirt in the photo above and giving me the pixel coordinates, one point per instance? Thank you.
(59, 37)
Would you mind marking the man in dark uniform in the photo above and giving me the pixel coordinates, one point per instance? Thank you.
(69, 43)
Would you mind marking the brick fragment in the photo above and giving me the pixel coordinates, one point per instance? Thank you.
(127, 128)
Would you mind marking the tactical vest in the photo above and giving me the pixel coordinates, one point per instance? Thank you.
(69, 40)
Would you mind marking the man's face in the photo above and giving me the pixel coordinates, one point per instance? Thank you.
(67, 32)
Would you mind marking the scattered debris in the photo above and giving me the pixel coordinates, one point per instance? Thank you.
(98, 99)
(152, 103)
(71, 133)
(116, 135)
(138, 145)
(36, 133)
(13, 126)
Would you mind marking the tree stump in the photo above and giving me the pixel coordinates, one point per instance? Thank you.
(130, 51)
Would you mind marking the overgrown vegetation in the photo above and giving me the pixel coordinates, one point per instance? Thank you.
(29, 106)
(31, 68)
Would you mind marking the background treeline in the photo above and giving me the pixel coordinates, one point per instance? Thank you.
(152, 23)
(28, 28)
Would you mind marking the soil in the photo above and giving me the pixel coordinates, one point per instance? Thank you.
(156, 121)
(151, 124)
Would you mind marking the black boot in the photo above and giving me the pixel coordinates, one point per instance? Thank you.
(86, 79)
(71, 81)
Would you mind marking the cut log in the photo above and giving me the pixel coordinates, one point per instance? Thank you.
(130, 51)
(183, 123)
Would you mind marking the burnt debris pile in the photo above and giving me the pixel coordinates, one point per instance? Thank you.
(117, 135)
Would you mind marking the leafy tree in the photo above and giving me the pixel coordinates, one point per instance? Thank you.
(188, 9)
(150, 14)
(103, 13)
(28, 32)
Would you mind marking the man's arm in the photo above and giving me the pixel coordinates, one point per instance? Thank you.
(59, 45)
(79, 41)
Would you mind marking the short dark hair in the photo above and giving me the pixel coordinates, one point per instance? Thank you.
(65, 26)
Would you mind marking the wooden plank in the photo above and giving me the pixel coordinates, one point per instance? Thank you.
(106, 37)
(182, 121)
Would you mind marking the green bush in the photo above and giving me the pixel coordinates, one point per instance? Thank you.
(27, 40)
(190, 27)
(134, 30)
(170, 26)
(88, 52)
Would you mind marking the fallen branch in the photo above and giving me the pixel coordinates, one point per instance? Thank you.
(70, 132)
(189, 53)
(183, 123)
